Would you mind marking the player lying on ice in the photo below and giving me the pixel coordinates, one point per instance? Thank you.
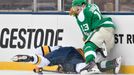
(68, 60)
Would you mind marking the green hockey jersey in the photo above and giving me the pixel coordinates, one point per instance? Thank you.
(90, 19)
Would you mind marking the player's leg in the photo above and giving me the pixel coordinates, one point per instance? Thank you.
(38, 60)
(56, 57)
(94, 42)
(89, 51)
(41, 59)
(110, 65)
(97, 40)
(108, 44)
(103, 66)
(73, 58)
(70, 66)
(90, 55)
(104, 38)
(39, 52)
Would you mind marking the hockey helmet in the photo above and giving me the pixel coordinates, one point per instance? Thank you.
(78, 2)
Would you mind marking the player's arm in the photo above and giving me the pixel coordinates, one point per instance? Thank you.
(96, 12)
(94, 16)
(53, 68)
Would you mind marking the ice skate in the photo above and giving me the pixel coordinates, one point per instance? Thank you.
(22, 58)
(91, 68)
(117, 65)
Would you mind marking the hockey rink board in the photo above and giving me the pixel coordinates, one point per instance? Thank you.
(22, 33)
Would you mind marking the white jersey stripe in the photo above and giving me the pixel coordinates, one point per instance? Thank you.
(90, 53)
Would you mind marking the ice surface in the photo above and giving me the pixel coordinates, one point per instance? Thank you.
(13, 72)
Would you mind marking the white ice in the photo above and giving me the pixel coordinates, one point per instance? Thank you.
(13, 72)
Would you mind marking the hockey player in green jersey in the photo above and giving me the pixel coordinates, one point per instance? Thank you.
(98, 31)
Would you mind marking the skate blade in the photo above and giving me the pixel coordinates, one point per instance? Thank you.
(85, 72)
(14, 59)
(17, 58)
(117, 69)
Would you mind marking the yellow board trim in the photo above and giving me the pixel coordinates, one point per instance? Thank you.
(125, 69)
(24, 66)
(16, 66)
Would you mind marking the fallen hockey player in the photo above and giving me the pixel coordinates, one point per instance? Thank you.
(66, 60)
